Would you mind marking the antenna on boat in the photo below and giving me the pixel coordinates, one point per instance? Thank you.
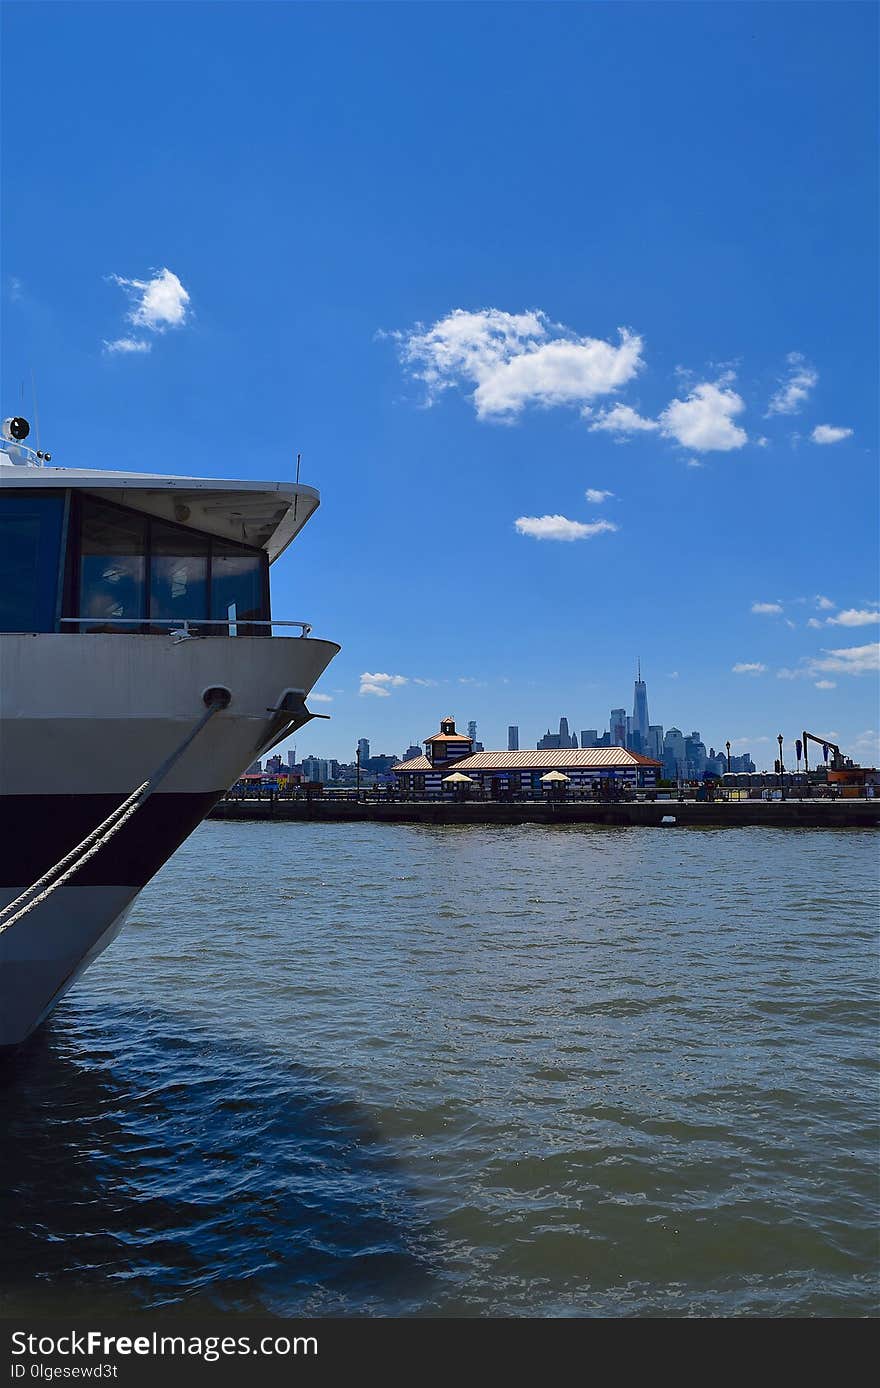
(36, 410)
(296, 494)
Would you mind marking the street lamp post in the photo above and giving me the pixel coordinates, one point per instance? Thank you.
(358, 760)
(727, 745)
(781, 769)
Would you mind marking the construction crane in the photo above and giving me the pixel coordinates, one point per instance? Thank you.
(837, 758)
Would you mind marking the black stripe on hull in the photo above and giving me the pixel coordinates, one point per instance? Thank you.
(36, 831)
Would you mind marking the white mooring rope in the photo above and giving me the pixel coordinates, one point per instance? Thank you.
(99, 837)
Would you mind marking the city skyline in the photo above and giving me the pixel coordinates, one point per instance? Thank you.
(683, 752)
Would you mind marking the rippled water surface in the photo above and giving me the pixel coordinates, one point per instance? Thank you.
(370, 1069)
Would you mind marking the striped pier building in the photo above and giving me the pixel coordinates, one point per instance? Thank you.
(515, 774)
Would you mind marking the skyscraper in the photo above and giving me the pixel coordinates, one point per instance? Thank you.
(472, 731)
(640, 723)
(364, 749)
(513, 738)
(617, 727)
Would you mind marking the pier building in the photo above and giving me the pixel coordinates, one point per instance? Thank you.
(500, 775)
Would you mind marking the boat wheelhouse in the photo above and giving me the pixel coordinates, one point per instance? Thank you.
(137, 650)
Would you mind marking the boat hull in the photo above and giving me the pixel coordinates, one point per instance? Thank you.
(86, 719)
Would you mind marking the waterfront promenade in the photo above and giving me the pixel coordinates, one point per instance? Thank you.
(796, 814)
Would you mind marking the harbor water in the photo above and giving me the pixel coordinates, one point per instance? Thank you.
(364, 1069)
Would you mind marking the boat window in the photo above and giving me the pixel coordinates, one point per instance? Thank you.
(178, 573)
(237, 587)
(137, 573)
(113, 549)
(30, 547)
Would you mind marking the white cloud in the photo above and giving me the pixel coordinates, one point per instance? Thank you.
(830, 433)
(427, 684)
(516, 359)
(127, 344)
(320, 698)
(826, 684)
(596, 497)
(749, 668)
(672, 675)
(813, 622)
(767, 609)
(855, 617)
(867, 744)
(380, 684)
(849, 660)
(795, 388)
(561, 528)
(704, 421)
(622, 420)
(842, 660)
(157, 303)
(824, 604)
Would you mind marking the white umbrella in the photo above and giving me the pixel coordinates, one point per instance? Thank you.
(458, 778)
(556, 777)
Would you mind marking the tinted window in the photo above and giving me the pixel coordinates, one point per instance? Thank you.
(112, 566)
(237, 585)
(30, 545)
(178, 573)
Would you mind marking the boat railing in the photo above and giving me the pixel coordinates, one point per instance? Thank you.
(183, 627)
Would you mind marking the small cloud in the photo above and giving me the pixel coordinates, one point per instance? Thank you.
(380, 684)
(813, 622)
(855, 617)
(790, 623)
(127, 344)
(672, 675)
(704, 420)
(830, 433)
(695, 462)
(157, 303)
(622, 420)
(824, 604)
(596, 497)
(426, 684)
(320, 698)
(867, 744)
(826, 684)
(561, 528)
(762, 442)
(795, 387)
(16, 289)
(767, 609)
(749, 668)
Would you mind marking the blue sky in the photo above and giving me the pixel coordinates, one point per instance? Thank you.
(474, 261)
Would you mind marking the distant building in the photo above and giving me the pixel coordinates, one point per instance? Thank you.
(291, 758)
(254, 769)
(550, 742)
(640, 709)
(414, 750)
(617, 727)
(513, 738)
(695, 756)
(273, 765)
(319, 769)
(364, 749)
(655, 741)
(589, 737)
(472, 731)
(674, 767)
